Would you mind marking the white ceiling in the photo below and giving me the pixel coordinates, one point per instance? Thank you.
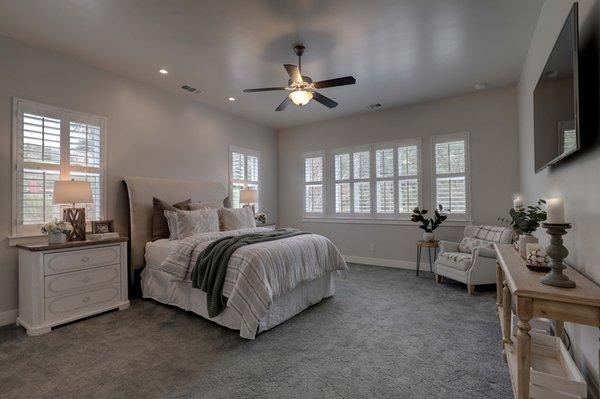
(400, 52)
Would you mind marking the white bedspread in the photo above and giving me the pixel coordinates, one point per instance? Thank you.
(258, 273)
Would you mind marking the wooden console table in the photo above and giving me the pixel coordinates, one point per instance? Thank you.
(533, 299)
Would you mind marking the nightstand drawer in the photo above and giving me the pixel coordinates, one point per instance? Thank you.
(77, 304)
(67, 282)
(61, 262)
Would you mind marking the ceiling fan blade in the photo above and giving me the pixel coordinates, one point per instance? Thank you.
(263, 89)
(294, 73)
(346, 80)
(326, 101)
(283, 104)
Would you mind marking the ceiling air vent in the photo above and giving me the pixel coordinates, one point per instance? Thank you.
(372, 106)
(189, 88)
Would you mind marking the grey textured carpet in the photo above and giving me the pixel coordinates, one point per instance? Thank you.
(385, 333)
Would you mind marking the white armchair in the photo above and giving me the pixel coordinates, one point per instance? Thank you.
(473, 260)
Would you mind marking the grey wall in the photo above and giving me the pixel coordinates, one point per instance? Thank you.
(150, 133)
(575, 178)
(491, 119)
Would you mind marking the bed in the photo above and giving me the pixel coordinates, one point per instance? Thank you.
(281, 302)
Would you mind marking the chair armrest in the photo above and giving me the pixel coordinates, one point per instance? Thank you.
(485, 252)
(448, 246)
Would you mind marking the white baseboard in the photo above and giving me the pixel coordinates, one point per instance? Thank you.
(8, 317)
(398, 264)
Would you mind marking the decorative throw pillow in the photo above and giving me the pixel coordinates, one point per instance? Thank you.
(160, 227)
(186, 223)
(468, 243)
(199, 206)
(236, 218)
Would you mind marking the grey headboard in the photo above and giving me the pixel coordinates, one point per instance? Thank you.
(140, 191)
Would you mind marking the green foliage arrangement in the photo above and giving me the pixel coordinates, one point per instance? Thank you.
(525, 220)
(428, 224)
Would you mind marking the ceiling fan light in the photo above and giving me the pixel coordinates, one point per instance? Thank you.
(300, 97)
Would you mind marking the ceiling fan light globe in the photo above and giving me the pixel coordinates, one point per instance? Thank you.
(300, 97)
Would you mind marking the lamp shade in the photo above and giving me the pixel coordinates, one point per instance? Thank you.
(248, 196)
(72, 192)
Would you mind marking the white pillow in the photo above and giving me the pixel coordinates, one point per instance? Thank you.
(183, 224)
(236, 218)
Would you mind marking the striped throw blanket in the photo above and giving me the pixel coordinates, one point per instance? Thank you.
(258, 273)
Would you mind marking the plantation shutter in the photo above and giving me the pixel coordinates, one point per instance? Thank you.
(244, 172)
(451, 175)
(342, 183)
(53, 144)
(361, 182)
(384, 173)
(313, 184)
(408, 178)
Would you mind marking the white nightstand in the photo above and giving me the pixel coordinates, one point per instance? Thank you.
(65, 282)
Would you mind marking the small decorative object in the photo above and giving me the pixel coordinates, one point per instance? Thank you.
(557, 252)
(103, 226)
(73, 192)
(524, 220)
(57, 231)
(261, 218)
(249, 197)
(428, 225)
(537, 260)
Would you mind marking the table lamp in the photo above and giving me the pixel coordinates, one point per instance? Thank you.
(249, 196)
(73, 192)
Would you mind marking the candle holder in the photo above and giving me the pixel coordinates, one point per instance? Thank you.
(557, 252)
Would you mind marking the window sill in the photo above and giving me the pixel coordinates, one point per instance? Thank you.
(398, 222)
(27, 239)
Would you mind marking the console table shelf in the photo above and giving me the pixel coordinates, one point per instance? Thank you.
(544, 356)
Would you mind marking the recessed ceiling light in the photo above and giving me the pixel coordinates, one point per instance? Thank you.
(163, 71)
(231, 98)
(481, 86)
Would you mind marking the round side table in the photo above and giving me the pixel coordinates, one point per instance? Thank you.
(429, 245)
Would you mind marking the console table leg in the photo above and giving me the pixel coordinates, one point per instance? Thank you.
(524, 311)
(499, 285)
(506, 313)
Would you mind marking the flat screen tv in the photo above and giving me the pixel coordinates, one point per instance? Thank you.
(556, 99)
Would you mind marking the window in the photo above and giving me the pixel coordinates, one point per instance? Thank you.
(376, 181)
(313, 184)
(243, 172)
(451, 173)
(53, 144)
(352, 181)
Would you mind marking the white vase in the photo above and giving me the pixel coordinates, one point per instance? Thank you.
(429, 237)
(56, 238)
(525, 239)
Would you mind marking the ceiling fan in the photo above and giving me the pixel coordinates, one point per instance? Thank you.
(302, 88)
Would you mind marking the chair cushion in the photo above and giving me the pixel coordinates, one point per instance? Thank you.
(492, 233)
(468, 243)
(455, 260)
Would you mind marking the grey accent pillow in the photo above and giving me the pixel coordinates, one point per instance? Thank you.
(160, 227)
(199, 206)
(186, 223)
(236, 218)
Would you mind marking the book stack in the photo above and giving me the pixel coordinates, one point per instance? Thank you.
(102, 236)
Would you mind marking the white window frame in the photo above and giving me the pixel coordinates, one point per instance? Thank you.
(246, 152)
(465, 136)
(305, 156)
(372, 148)
(21, 106)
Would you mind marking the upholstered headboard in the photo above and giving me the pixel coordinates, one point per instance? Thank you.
(140, 191)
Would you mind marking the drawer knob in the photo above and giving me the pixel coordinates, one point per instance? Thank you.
(85, 299)
(85, 280)
(85, 259)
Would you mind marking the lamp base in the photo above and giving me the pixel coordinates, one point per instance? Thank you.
(76, 217)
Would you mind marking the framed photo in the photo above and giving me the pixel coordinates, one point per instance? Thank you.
(102, 226)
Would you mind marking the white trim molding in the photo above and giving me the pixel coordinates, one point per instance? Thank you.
(395, 263)
(400, 222)
(8, 317)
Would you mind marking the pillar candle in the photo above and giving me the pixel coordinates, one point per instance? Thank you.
(556, 210)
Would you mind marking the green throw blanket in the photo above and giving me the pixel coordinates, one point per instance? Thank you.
(211, 267)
